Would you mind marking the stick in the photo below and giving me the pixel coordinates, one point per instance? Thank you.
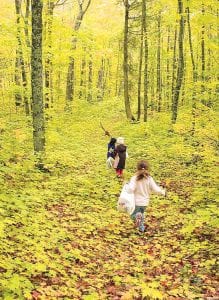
(105, 131)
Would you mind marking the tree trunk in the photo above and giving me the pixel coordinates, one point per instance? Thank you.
(140, 64)
(144, 21)
(152, 88)
(118, 72)
(203, 57)
(17, 79)
(100, 81)
(168, 71)
(48, 60)
(180, 69)
(159, 64)
(125, 63)
(174, 64)
(82, 81)
(90, 80)
(70, 80)
(26, 22)
(194, 71)
(71, 71)
(20, 63)
(37, 78)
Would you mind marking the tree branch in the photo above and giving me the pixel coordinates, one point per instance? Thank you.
(88, 4)
(59, 4)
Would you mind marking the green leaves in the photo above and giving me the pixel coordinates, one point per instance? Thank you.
(62, 237)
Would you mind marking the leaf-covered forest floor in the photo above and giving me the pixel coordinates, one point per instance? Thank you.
(61, 236)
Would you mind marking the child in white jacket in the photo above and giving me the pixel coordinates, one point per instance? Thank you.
(142, 185)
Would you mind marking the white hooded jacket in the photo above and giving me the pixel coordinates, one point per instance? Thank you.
(143, 188)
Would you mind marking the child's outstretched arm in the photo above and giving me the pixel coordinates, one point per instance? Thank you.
(156, 189)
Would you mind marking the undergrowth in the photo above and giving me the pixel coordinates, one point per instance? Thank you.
(61, 236)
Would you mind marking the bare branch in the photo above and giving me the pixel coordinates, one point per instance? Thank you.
(88, 4)
(59, 4)
(80, 5)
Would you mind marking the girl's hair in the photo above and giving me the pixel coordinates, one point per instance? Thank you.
(142, 170)
(112, 141)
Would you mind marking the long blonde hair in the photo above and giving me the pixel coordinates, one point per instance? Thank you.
(142, 170)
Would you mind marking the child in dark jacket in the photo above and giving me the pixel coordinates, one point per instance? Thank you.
(111, 148)
(120, 158)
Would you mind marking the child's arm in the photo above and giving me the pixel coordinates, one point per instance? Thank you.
(155, 188)
(131, 185)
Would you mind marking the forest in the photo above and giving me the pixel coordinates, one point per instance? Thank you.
(73, 73)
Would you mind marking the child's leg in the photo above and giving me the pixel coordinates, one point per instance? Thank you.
(141, 225)
(138, 217)
(119, 172)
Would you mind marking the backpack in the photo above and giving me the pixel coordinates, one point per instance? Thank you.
(126, 201)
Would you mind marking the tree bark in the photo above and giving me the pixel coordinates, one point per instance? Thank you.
(194, 71)
(168, 70)
(71, 73)
(118, 72)
(37, 78)
(145, 30)
(159, 97)
(48, 59)
(20, 64)
(90, 80)
(174, 66)
(140, 63)
(100, 81)
(26, 22)
(125, 63)
(180, 69)
(82, 81)
(203, 57)
(17, 79)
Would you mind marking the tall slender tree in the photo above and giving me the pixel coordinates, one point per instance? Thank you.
(159, 92)
(90, 80)
(145, 31)
(194, 69)
(180, 68)
(140, 62)
(48, 55)
(126, 63)
(20, 64)
(203, 63)
(26, 22)
(37, 77)
(82, 9)
(168, 70)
